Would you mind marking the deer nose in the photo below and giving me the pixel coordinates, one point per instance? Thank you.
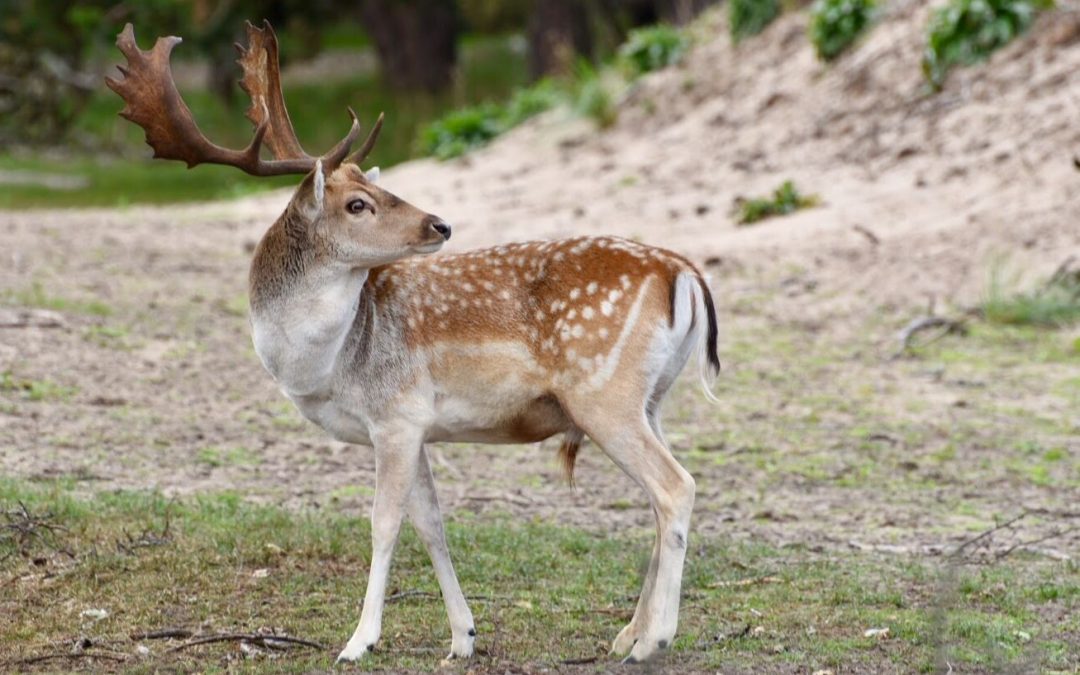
(442, 228)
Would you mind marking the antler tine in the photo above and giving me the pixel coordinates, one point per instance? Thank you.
(336, 156)
(369, 142)
(262, 82)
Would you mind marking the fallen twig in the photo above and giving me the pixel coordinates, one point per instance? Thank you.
(41, 658)
(986, 534)
(907, 334)
(267, 641)
(870, 236)
(1024, 544)
(163, 634)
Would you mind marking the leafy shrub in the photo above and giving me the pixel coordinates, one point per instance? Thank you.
(750, 17)
(653, 48)
(463, 130)
(964, 32)
(1056, 303)
(835, 24)
(785, 199)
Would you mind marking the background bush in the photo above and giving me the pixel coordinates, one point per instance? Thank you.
(653, 48)
(750, 17)
(967, 31)
(835, 24)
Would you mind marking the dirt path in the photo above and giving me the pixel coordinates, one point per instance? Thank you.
(145, 378)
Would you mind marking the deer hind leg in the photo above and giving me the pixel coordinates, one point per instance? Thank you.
(426, 517)
(397, 457)
(629, 440)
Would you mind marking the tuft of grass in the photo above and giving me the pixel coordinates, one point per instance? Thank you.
(747, 18)
(964, 32)
(542, 594)
(36, 296)
(784, 200)
(1055, 303)
(594, 97)
(836, 24)
(653, 48)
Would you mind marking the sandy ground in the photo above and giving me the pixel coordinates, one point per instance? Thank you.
(922, 195)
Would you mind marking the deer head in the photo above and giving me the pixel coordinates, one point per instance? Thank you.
(337, 214)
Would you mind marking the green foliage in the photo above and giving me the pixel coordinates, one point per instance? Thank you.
(964, 32)
(593, 97)
(836, 24)
(653, 48)
(785, 199)
(465, 129)
(1055, 303)
(749, 17)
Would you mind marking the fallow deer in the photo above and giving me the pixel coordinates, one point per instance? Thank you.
(512, 344)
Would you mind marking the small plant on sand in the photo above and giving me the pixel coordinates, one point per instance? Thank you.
(964, 32)
(653, 48)
(836, 24)
(1055, 303)
(593, 97)
(784, 200)
(749, 17)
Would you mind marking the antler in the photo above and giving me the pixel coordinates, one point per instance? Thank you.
(153, 102)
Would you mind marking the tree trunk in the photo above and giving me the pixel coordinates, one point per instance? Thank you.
(558, 33)
(680, 12)
(416, 41)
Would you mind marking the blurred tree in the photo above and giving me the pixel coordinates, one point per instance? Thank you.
(416, 41)
(559, 33)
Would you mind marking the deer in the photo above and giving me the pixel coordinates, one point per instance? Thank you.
(382, 344)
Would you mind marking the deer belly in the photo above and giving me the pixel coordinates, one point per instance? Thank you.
(494, 419)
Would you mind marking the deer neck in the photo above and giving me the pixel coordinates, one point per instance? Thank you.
(303, 310)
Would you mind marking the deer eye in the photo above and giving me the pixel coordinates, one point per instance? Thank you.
(356, 206)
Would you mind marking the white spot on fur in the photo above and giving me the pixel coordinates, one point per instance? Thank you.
(587, 313)
(574, 293)
(605, 308)
(591, 288)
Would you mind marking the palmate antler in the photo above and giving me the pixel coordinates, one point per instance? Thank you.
(153, 102)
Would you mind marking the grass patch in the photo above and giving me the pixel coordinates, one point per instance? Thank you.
(542, 593)
(747, 18)
(34, 390)
(1055, 303)
(964, 32)
(784, 200)
(36, 296)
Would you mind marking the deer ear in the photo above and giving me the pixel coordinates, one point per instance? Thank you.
(308, 200)
(372, 174)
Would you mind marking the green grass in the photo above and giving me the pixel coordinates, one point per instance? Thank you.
(747, 18)
(490, 70)
(784, 200)
(1053, 304)
(541, 593)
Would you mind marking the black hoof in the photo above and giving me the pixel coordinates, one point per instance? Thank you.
(662, 644)
(472, 632)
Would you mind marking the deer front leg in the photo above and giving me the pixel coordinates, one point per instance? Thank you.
(423, 508)
(397, 456)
